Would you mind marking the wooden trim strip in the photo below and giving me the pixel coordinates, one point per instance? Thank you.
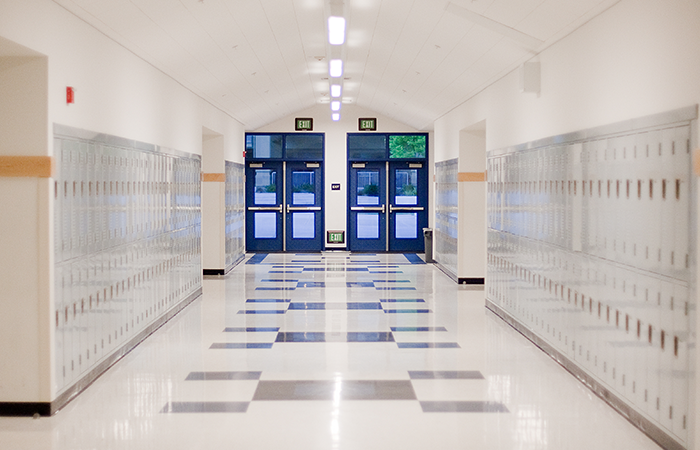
(471, 176)
(218, 177)
(27, 166)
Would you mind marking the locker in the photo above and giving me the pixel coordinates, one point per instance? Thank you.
(588, 247)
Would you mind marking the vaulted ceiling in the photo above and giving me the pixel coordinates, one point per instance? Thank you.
(410, 60)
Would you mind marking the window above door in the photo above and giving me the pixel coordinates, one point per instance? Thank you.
(387, 146)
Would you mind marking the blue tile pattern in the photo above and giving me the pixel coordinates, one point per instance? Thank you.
(240, 345)
(265, 288)
(417, 329)
(251, 329)
(257, 258)
(267, 300)
(428, 345)
(402, 300)
(311, 284)
(413, 258)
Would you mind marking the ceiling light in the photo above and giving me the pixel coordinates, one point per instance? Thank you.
(335, 117)
(335, 105)
(336, 68)
(336, 30)
(336, 90)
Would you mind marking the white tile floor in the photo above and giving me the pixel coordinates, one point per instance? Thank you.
(547, 407)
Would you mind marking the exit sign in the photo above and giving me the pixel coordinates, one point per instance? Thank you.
(304, 124)
(367, 124)
(336, 237)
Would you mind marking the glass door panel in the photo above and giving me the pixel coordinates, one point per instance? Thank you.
(367, 215)
(304, 221)
(264, 207)
(408, 206)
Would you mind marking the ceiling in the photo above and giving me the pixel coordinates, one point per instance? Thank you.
(410, 60)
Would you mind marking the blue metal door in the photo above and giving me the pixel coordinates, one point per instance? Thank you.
(408, 206)
(264, 206)
(367, 200)
(304, 206)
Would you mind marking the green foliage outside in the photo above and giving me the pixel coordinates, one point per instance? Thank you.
(268, 188)
(370, 190)
(304, 187)
(409, 190)
(407, 146)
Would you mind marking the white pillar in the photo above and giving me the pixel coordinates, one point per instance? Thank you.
(26, 241)
(213, 203)
(472, 205)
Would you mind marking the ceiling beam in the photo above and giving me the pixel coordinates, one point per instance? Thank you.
(525, 40)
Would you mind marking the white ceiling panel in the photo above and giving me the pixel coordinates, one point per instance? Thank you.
(260, 60)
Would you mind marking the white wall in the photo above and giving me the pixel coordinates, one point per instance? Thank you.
(638, 58)
(336, 152)
(115, 93)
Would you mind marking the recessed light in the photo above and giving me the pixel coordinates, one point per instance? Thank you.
(336, 30)
(335, 68)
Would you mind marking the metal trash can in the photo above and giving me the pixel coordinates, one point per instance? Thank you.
(428, 240)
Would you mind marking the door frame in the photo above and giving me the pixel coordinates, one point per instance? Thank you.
(377, 155)
(288, 155)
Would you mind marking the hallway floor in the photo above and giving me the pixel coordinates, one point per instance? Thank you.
(332, 351)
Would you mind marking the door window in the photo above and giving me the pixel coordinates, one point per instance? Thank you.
(367, 187)
(265, 187)
(303, 188)
(406, 187)
(265, 225)
(368, 225)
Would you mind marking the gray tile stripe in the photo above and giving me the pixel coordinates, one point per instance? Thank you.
(208, 376)
(328, 390)
(205, 407)
(464, 407)
(445, 375)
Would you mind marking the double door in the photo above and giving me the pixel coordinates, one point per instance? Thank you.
(388, 206)
(284, 209)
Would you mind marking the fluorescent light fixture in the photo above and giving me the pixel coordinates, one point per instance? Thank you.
(335, 117)
(336, 68)
(336, 30)
(335, 105)
(336, 90)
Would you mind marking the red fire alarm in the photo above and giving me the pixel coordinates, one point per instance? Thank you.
(70, 95)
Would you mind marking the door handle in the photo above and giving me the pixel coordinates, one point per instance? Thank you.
(369, 208)
(303, 208)
(265, 208)
(393, 208)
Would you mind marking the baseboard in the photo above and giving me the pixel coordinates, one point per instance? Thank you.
(470, 281)
(445, 270)
(638, 420)
(206, 272)
(49, 409)
(17, 409)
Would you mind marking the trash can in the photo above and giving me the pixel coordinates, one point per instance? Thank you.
(428, 240)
